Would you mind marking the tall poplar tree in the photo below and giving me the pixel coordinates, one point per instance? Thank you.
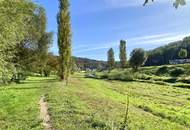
(111, 59)
(122, 55)
(64, 39)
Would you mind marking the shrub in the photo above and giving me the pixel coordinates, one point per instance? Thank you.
(123, 76)
(143, 76)
(102, 75)
(162, 70)
(185, 80)
(177, 71)
(127, 76)
(160, 83)
(170, 80)
(17, 77)
(182, 85)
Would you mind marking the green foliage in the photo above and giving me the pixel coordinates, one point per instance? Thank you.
(15, 23)
(112, 75)
(177, 71)
(74, 67)
(163, 75)
(182, 53)
(179, 3)
(184, 79)
(170, 80)
(122, 54)
(162, 55)
(64, 39)
(162, 70)
(181, 85)
(23, 39)
(111, 59)
(137, 59)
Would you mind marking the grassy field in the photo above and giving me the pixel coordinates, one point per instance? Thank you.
(88, 104)
(19, 109)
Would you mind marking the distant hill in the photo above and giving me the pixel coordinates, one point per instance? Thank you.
(85, 63)
(162, 55)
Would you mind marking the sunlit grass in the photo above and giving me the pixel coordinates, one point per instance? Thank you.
(19, 109)
(103, 103)
(87, 104)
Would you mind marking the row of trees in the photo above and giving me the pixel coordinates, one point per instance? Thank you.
(24, 41)
(137, 57)
(158, 56)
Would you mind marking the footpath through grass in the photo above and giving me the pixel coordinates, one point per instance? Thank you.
(19, 109)
(88, 104)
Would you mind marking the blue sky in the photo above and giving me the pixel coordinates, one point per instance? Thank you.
(98, 25)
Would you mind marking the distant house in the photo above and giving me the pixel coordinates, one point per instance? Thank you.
(179, 61)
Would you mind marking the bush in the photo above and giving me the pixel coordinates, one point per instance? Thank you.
(143, 76)
(170, 80)
(177, 71)
(18, 77)
(126, 76)
(182, 85)
(185, 80)
(102, 75)
(162, 70)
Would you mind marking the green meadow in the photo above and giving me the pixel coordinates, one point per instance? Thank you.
(87, 104)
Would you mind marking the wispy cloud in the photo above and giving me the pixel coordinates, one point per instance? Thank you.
(157, 39)
(123, 3)
(95, 47)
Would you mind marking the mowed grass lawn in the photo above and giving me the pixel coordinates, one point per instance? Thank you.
(98, 104)
(19, 108)
(87, 104)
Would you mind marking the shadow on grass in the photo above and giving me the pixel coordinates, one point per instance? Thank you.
(39, 81)
(32, 84)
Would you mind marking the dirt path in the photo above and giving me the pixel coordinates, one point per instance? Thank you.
(44, 116)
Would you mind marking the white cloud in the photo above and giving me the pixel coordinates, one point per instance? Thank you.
(95, 47)
(122, 3)
(157, 39)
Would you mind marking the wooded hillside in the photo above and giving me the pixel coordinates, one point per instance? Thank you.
(163, 54)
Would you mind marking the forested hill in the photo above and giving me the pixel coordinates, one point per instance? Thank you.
(85, 63)
(163, 54)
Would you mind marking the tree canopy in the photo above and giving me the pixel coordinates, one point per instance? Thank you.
(64, 39)
(162, 55)
(137, 59)
(22, 25)
(182, 53)
(111, 59)
(122, 54)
